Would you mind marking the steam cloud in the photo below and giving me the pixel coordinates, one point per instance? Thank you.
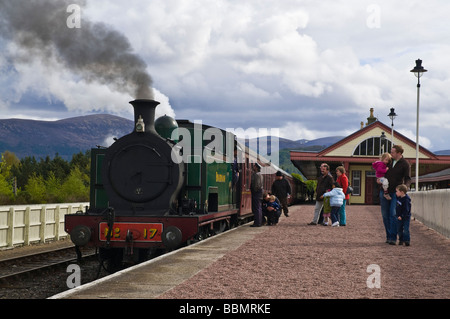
(93, 51)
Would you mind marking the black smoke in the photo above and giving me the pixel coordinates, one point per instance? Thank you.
(94, 51)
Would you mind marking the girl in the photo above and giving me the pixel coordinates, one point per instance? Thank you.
(381, 167)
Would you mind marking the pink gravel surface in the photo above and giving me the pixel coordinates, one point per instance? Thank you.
(293, 260)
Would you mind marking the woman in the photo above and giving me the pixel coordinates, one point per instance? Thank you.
(343, 181)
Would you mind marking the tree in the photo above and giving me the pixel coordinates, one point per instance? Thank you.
(8, 160)
(82, 161)
(35, 190)
(47, 181)
(28, 165)
(52, 188)
(6, 191)
(75, 188)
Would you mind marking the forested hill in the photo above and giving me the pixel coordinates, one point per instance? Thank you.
(65, 137)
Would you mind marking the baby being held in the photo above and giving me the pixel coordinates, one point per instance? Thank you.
(381, 167)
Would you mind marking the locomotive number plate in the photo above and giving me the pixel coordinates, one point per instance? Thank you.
(140, 232)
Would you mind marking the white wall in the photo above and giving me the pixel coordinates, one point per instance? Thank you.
(432, 208)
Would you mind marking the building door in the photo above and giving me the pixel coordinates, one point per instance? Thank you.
(371, 189)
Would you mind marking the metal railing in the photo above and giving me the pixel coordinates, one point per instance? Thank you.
(22, 225)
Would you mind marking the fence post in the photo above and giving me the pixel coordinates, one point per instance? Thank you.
(26, 231)
(43, 222)
(10, 238)
(57, 222)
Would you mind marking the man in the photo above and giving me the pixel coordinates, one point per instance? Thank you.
(324, 183)
(282, 190)
(256, 188)
(397, 174)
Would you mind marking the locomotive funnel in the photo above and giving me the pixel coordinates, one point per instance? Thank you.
(144, 115)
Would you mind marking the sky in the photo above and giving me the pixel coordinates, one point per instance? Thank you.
(310, 69)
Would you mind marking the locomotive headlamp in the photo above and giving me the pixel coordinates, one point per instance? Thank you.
(140, 125)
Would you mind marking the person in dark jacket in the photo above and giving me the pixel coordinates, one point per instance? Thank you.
(271, 208)
(397, 174)
(324, 183)
(282, 190)
(256, 188)
(403, 213)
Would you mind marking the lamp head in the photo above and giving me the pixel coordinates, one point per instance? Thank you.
(418, 69)
(392, 115)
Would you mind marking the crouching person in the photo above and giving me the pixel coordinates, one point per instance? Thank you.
(271, 209)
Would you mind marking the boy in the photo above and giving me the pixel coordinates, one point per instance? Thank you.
(403, 212)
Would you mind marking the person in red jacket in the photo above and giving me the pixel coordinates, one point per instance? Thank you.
(342, 179)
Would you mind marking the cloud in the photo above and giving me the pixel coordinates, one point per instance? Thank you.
(423, 141)
(309, 68)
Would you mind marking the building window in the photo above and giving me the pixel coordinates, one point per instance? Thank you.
(356, 183)
(373, 146)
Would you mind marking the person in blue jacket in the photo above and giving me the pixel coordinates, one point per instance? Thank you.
(403, 213)
(337, 197)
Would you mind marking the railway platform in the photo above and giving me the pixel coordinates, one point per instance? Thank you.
(291, 260)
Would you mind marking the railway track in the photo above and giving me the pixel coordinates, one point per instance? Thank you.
(19, 266)
(40, 275)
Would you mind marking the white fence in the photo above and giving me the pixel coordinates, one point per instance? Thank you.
(26, 224)
(432, 208)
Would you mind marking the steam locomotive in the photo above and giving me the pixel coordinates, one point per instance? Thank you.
(144, 200)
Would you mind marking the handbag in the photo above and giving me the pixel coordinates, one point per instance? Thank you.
(349, 190)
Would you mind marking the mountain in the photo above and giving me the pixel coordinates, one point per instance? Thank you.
(65, 137)
(285, 145)
(304, 145)
(443, 152)
(79, 134)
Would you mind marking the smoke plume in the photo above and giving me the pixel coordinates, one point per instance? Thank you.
(92, 51)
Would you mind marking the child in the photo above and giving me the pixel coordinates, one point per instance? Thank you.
(274, 214)
(272, 202)
(336, 200)
(403, 212)
(381, 168)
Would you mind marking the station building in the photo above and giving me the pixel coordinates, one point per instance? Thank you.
(359, 150)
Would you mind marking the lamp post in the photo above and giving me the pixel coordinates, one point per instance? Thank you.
(418, 72)
(392, 116)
